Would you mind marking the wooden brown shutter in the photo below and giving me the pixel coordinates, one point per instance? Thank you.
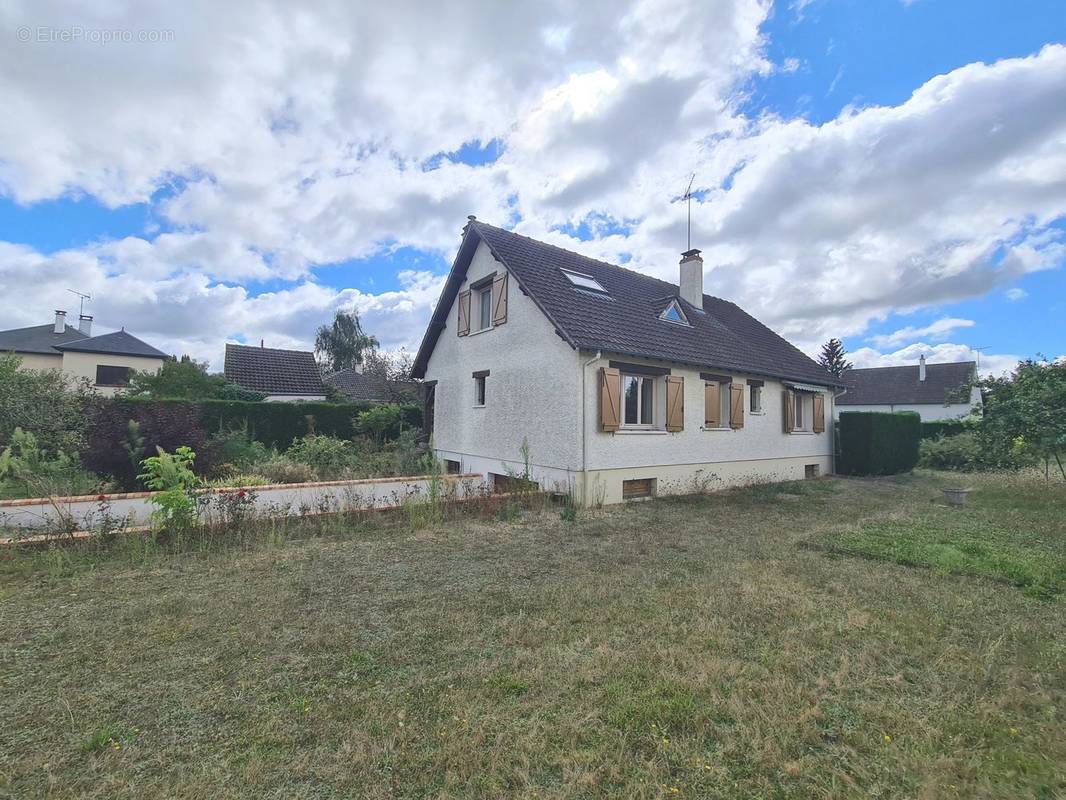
(499, 299)
(610, 398)
(712, 405)
(736, 405)
(675, 403)
(464, 313)
(790, 410)
(819, 413)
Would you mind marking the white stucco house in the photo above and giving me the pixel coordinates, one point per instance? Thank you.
(623, 386)
(107, 360)
(933, 391)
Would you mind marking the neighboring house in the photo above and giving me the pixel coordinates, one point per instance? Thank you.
(279, 374)
(621, 385)
(106, 360)
(935, 391)
(356, 385)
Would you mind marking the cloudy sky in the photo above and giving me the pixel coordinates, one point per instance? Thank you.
(892, 173)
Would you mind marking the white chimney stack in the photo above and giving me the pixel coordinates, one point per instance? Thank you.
(61, 322)
(85, 324)
(690, 286)
(921, 368)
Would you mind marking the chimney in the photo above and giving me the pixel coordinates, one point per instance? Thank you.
(921, 368)
(85, 324)
(690, 287)
(61, 322)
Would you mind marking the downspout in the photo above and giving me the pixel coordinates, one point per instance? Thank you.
(584, 457)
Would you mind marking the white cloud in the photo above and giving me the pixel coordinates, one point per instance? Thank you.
(937, 330)
(1016, 294)
(943, 353)
(288, 137)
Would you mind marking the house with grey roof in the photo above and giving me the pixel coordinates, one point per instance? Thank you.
(934, 391)
(107, 360)
(279, 374)
(359, 386)
(611, 384)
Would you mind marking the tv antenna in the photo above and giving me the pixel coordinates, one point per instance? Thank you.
(687, 197)
(978, 351)
(82, 297)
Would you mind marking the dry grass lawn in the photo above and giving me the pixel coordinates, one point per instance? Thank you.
(770, 643)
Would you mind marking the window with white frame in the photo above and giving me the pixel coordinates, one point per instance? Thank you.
(802, 410)
(755, 398)
(638, 401)
(485, 307)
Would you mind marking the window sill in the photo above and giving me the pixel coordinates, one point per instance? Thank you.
(709, 430)
(478, 406)
(803, 433)
(480, 330)
(757, 413)
(640, 432)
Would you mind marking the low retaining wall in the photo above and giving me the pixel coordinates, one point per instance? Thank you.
(284, 499)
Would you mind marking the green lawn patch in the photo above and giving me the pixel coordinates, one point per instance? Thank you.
(1013, 535)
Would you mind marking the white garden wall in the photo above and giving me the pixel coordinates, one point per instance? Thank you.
(292, 499)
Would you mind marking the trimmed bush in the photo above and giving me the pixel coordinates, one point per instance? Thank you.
(279, 424)
(116, 448)
(939, 428)
(878, 443)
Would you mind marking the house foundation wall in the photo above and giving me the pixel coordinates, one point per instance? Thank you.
(604, 487)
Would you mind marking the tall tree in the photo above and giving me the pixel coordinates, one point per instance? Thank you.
(832, 357)
(341, 344)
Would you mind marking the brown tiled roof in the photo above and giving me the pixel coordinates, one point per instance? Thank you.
(273, 371)
(625, 320)
(900, 385)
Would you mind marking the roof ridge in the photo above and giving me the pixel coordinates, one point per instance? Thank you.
(274, 349)
(589, 258)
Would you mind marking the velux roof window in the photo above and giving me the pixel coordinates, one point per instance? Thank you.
(584, 281)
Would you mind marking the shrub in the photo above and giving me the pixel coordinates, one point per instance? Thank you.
(28, 471)
(170, 477)
(878, 443)
(237, 448)
(46, 403)
(278, 424)
(939, 428)
(387, 422)
(328, 456)
(955, 452)
(282, 470)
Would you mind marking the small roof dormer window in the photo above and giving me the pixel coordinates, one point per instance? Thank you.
(583, 281)
(673, 313)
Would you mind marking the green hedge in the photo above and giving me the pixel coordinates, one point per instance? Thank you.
(877, 443)
(939, 428)
(273, 424)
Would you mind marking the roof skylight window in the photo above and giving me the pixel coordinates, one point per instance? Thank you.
(583, 281)
(673, 313)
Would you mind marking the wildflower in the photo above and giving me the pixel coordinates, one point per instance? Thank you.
(241, 493)
(1014, 731)
(887, 738)
(101, 497)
